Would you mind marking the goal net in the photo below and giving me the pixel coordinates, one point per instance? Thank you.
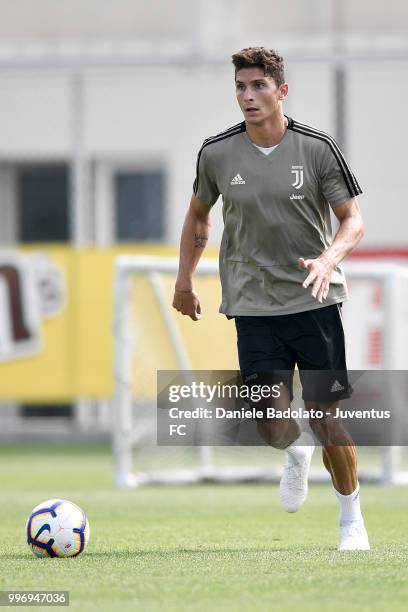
(150, 336)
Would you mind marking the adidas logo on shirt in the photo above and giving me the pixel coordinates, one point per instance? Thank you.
(336, 386)
(237, 180)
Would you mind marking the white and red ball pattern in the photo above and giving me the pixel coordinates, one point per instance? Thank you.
(57, 528)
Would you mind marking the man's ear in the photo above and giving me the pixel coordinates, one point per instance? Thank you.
(283, 91)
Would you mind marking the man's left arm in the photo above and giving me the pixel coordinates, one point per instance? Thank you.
(349, 234)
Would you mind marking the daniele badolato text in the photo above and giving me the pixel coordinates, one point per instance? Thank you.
(274, 413)
(253, 394)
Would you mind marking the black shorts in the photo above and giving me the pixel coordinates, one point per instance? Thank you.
(269, 348)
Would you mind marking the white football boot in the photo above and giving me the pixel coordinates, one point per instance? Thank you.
(293, 484)
(353, 536)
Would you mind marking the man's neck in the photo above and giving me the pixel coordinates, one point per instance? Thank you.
(269, 133)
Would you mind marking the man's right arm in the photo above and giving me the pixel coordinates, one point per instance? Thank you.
(194, 237)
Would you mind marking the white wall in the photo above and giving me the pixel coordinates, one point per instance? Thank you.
(161, 116)
(25, 19)
(35, 114)
(378, 136)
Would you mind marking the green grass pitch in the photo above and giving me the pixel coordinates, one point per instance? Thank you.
(198, 548)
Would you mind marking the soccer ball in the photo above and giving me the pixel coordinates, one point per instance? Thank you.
(57, 528)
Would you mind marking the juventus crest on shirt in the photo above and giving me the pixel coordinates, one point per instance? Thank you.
(276, 208)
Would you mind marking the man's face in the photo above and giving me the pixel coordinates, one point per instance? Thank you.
(258, 95)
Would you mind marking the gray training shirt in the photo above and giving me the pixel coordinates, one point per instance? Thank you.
(275, 210)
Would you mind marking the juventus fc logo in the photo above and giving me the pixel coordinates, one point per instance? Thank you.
(298, 172)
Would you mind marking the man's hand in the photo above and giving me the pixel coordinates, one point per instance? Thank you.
(188, 303)
(320, 271)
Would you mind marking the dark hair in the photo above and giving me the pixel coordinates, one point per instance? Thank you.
(268, 60)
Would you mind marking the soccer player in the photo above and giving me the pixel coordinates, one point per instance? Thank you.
(279, 269)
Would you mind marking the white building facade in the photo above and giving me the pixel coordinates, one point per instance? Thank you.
(103, 107)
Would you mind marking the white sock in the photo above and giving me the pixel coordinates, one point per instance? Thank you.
(300, 447)
(350, 506)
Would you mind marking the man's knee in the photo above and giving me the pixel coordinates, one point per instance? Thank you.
(278, 433)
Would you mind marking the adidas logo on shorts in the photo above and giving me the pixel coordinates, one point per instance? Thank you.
(336, 386)
(237, 180)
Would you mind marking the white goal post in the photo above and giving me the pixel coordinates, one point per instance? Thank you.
(376, 321)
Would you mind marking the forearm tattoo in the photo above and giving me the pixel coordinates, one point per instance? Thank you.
(200, 241)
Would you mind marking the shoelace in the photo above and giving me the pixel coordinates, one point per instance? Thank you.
(294, 477)
(353, 529)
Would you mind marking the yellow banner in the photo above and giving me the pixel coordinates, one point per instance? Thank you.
(56, 324)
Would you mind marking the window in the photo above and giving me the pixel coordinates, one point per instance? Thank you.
(40, 411)
(139, 198)
(43, 203)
